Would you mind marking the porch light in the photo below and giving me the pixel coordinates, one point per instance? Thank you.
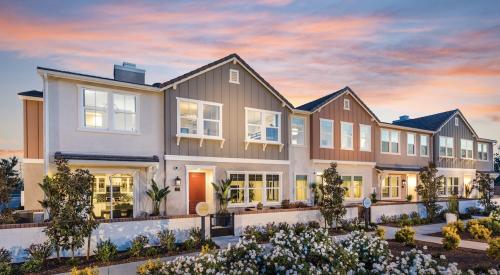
(403, 183)
(177, 181)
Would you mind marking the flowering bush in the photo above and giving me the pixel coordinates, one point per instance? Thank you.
(416, 262)
(380, 232)
(138, 245)
(405, 235)
(451, 239)
(494, 248)
(459, 225)
(167, 240)
(478, 231)
(369, 250)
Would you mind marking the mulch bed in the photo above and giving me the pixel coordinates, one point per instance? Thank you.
(466, 236)
(466, 258)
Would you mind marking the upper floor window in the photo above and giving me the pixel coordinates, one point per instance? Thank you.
(424, 145)
(466, 146)
(107, 110)
(234, 76)
(365, 137)
(482, 151)
(346, 141)
(199, 118)
(411, 149)
(445, 146)
(325, 133)
(262, 125)
(456, 121)
(298, 130)
(347, 104)
(390, 141)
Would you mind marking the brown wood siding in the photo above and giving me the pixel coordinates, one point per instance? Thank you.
(335, 111)
(457, 133)
(33, 129)
(214, 86)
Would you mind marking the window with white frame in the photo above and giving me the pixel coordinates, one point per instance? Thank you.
(482, 151)
(250, 188)
(445, 146)
(347, 104)
(365, 137)
(199, 118)
(390, 141)
(234, 76)
(325, 133)
(262, 125)
(424, 145)
(109, 110)
(298, 130)
(301, 187)
(353, 186)
(346, 132)
(449, 187)
(390, 187)
(466, 149)
(456, 121)
(411, 147)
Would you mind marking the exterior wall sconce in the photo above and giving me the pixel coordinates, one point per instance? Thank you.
(403, 183)
(177, 184)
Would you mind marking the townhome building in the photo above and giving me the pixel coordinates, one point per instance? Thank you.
(225, 121)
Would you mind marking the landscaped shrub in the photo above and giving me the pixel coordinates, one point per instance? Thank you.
(167, 240)
(152, 251)
(105, 251)
(5, 258)
(37, 256)
(138, 245)
(451, 239)
(473, 211)
(194, 239)
(417, 262)
(492, 224)
(478, 231)
(85, 271)
(256, 232)
(370, 250)
(285, 204)
(494, 248)
(380, 232)
(313, 225)
(415, 218)
(299, 228)
(405, 235)
(149, 267)
(459, 225)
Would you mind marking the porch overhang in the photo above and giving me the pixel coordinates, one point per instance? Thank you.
(108, 160)
(399, 169)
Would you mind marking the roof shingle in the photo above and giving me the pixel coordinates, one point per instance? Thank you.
(430, 122)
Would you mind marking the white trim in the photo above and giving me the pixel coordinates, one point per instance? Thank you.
(457, 123)
(303, 130)
(32, 98)
(344, 162)
(247, 202)
(428, 145)
(393, 126)
(27, 160)
(98, 80)
(352, 198)
(332, 122)
(225, 160)
(472, 149)
(446, 147)
(192, 167)
(414, 144)
(112, 163)
(457, 169)
(231, 71)
(46, 132)
(483, 144)
(348, 107)
(199, 121)
(390, 141)
(342, 123)
(293, 196)
(463, 119)
(369, 149)
(400, 183)
(263, 137)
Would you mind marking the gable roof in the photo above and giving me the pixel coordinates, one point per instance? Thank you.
(433, 122)
(31, 93)
(316, 105)
(232, 57)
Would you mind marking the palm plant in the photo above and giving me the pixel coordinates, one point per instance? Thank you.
(222, 190)
(157, 195)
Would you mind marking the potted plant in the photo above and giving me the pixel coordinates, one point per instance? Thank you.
(157, 195)
(409, 197)
(222, 191)
(452, 211)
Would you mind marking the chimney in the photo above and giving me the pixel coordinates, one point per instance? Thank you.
(129, 73)
(402, 118)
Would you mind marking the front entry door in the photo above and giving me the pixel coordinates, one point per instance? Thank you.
(196, 190)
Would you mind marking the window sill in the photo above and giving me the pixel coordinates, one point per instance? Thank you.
(264, 144)
(107, 131)
(389, 153)
(347, 149)
(201, 138)
(446, 157)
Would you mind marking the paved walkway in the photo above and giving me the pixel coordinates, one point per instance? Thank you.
(422, 231)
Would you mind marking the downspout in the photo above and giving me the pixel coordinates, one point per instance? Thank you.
(45, 135)
(164, 140)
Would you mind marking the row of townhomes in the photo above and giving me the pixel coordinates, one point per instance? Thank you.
(225, 121)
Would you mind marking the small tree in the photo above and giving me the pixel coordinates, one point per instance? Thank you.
(428, 189)
(157, 195)
(486, 190)
(68, 201)
(222, 191)
(9, 182)
(332, 196)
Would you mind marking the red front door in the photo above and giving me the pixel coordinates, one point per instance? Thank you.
(196, 190)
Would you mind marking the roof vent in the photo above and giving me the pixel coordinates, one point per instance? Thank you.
(402, 118)
(128, 72)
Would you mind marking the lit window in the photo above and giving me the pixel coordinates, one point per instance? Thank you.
(482, 151)
(466, 148)
(347, 104)
(263, 125)
(298, 130)
(113, 196)
(346, 132)
(95, 105)
(445, 146)
(326, 133)
(237, 188)
(198, 118)
(449, 186)
(390, 141)
(353, 186)
(300, 187)
(411, 147)
(251, 188)
(390, 187)
(365, 137)
(255, 186)
(424, 145)
(272, 188)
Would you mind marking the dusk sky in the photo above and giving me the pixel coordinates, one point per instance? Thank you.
(399, 57)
